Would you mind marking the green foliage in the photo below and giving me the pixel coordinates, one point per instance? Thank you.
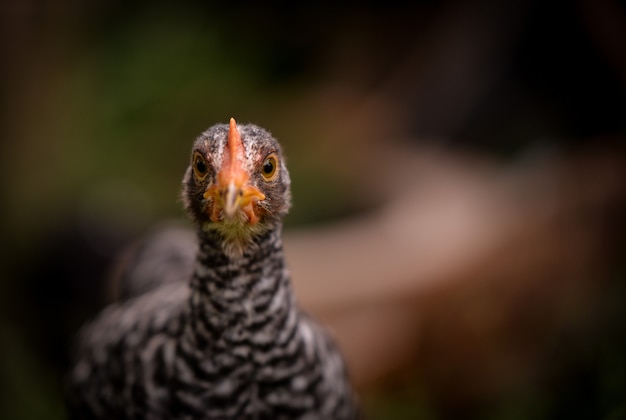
(28, 389)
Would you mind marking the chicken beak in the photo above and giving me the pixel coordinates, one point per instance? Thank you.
(232, 201)
(232, 191)
(235, 197)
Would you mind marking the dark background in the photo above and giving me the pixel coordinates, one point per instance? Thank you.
(100, 102)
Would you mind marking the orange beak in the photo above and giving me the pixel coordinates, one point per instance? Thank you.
(232, 193)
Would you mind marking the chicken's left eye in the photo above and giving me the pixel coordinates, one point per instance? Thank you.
(270, 164)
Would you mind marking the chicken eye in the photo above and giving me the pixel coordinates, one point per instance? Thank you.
(268, 170)
(199, 166)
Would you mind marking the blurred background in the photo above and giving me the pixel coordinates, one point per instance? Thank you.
(458, 170)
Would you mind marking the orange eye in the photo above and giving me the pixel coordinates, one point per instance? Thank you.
(269, 167)
(200, 168)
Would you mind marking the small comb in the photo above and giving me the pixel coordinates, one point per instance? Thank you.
(234, 141)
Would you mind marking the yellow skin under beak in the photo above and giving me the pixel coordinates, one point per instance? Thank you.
(232, 193)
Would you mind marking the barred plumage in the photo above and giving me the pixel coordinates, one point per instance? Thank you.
(230, 342)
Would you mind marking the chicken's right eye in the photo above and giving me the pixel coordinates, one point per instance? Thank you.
(200, 168)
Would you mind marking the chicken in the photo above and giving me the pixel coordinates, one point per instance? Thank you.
(230, 341)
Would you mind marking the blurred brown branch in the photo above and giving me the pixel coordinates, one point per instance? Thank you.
(476, 256)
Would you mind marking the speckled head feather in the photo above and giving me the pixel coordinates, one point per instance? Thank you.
(226, 188)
